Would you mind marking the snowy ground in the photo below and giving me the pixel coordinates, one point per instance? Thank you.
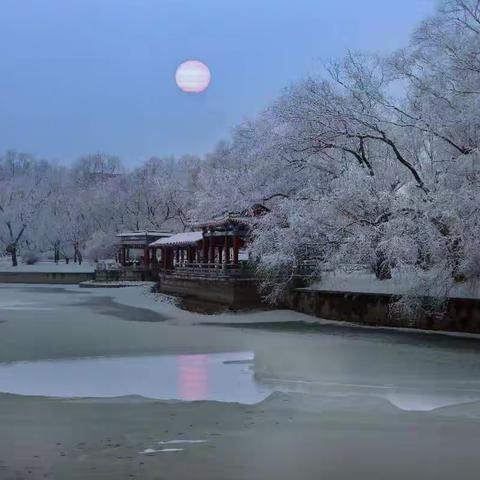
(399, 284)
(45, 266)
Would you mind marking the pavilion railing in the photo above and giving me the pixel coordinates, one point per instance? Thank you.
(113, 266)
(242, 269)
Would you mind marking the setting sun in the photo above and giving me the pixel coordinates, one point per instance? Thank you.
(193, 76)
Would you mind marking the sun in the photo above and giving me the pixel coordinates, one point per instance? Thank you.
(193, 76)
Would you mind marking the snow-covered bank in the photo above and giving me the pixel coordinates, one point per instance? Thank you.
(399, 284)
(46, 267)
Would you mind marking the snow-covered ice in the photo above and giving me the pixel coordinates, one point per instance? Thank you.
(150, 451)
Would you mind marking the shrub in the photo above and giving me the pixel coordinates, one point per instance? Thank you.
(30, 257)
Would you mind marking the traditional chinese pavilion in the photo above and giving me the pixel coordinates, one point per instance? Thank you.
(210, 262)
(133, 247)
(216, 244)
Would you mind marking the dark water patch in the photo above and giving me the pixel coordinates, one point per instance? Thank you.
(203, 307)
(107, 306)
(54, 290)
(102, 305)
(206, 307)
(238, 362)
(382, 335)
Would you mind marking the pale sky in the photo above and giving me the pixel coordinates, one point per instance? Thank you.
(81, 76)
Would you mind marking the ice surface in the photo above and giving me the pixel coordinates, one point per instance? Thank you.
(410, 370)
(184, 377)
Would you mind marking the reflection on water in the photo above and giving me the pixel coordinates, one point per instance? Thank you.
(184, 377)
(193, 377)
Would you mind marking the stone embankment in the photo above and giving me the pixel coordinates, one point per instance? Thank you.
(64, 278)
(375, 309)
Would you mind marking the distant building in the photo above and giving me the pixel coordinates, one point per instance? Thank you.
(133, 247)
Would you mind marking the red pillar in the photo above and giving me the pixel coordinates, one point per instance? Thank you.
(227, 250)
(145, 256)
(236, 248)
(205, 249)
(220, 250)
(212, 251)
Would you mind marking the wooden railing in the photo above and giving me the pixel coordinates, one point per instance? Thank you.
(210, 270)
(103, 266)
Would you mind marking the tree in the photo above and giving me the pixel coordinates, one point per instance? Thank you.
(22, 195)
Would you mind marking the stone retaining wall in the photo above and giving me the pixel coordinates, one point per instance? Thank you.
(374, 309)
(46, 277)
(234, 292)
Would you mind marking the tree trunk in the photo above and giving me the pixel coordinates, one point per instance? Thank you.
(14, 256)
(455, 251)
(381, 268)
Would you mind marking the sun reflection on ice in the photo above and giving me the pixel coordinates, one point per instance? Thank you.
(193, 377)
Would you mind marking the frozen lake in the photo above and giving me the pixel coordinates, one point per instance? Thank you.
(353, 402)
(74, 342)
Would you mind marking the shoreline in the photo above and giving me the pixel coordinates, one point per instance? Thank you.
(163, 304)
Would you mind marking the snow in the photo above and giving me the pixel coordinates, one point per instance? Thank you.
(46, 267)
(150, 451)
(115, 284)
(179, 239)
(232, 217)
(399, 284)
(176, 442)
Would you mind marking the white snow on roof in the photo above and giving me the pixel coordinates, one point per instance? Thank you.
(178, 239)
